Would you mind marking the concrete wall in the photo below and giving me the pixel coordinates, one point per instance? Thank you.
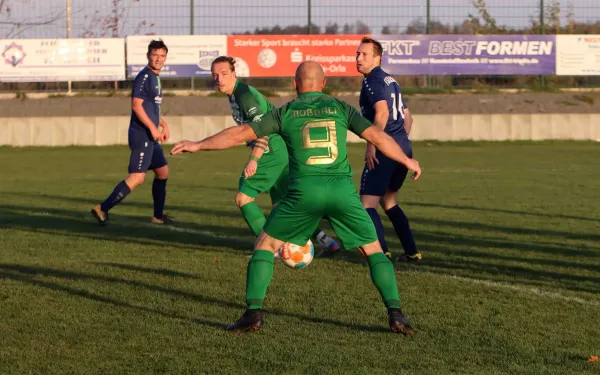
(109, 130)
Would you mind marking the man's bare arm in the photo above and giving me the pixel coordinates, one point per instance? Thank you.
(408, 120)
(390, 148)
(382, 113)
(259, 148)
(227, 138)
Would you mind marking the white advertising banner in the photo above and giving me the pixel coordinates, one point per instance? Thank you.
(189, 55)
(51, 60)
(578, 55)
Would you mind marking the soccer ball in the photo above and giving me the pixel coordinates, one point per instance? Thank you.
(295, 256)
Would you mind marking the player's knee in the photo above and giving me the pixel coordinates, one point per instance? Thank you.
(162, 173)
(369, 201)
(370, 249)
(135, 179)
(389, 200)
(242, 199)
(266, 242)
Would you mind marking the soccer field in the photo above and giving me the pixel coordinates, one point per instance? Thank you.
(509, 284)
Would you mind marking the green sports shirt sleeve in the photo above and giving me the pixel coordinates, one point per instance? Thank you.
(356, 122)
(260, 105)
(250, 106)
(252, 103)
(267, 124)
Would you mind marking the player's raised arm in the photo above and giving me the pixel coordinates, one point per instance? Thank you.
(227, 138)
(234, 136)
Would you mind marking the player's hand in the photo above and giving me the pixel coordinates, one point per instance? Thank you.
(414, 166)
(155, 134)
(250, 169)
(370, 156)
(163, 137)
(184, 146)
(166, 133)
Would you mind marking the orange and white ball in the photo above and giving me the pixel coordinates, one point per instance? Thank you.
(295, 256)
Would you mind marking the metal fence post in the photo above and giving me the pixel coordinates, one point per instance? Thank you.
(428, 19)
(309, 18)
(192, 32)
(542, 31)
(69, 34)
(428, 31)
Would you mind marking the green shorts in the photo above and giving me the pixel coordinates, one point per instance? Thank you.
(271, 176)
(313, 198)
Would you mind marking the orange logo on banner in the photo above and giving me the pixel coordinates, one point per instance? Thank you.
(279, 55)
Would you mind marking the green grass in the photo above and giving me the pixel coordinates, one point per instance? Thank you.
(510, 282)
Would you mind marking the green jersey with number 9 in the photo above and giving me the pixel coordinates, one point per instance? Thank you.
(314, 127)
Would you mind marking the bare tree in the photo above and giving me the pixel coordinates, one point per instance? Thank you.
(484, 22)
(114, 23)
(12, 26)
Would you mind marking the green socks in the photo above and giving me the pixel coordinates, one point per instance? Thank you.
(384, 278)
(258, 278)
(260, 266)
(254, 217)
(260, 274)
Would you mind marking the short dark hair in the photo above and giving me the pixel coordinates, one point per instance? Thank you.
(227, 59)
(157, 44)
(377, 47)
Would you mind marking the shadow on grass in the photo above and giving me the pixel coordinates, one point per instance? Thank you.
(124, 229)
(32, 274)
(88, 203)
(29, 279)
(462, 260)
(499, 210)
(512, 274)
(234, 213)
(154, 271)
(447, 242)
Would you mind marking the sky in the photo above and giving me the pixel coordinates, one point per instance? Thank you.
(230, 16)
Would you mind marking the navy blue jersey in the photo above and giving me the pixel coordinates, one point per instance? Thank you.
(378, 85)
(146, 87)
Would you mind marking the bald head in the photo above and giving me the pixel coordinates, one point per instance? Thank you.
(309, 77)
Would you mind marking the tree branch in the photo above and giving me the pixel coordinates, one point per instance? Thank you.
(17, 27)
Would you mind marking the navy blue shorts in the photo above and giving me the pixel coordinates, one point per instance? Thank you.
(388, 175)
(145, 156)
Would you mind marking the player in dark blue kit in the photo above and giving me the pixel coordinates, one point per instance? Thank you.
(146, 130)
(381, 103)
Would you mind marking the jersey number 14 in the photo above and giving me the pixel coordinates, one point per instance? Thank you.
(397, 107)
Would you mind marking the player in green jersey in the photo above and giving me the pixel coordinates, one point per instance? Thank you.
(314, 127)
(267, 169)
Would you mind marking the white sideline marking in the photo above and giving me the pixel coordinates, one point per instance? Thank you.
(522, 289)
